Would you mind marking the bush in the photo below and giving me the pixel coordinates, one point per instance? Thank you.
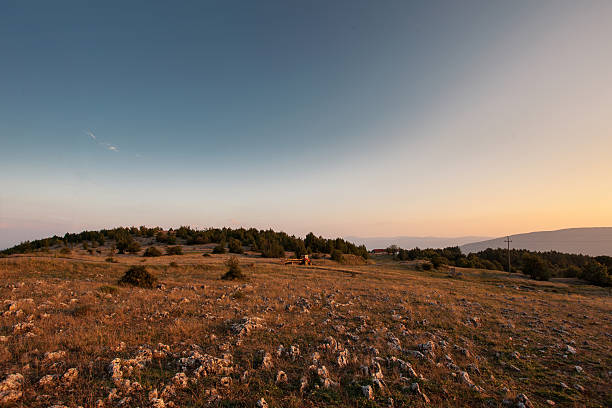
(426, 266)
(234, 271)
(219, 249)
(138, 276)
(596, 273)
(108, 289)
(128, 244)
(206, 254)
(337, 256)
(175, 250)
(65, 251)
(437, 261)
(235, 246)
(173, 264)
(536, 267)
(152, 251)
(111, 259)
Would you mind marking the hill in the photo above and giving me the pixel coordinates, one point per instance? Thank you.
(586, 241)
(378, 334)
(409, 242)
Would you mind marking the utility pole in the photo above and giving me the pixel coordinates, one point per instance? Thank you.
(508, 240)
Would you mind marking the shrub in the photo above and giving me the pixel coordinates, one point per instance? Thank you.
(128, 244)
(536, 267)
(80, 310)
(108, 289)
(65, 251)
(219, 249)
(152, 251)
(596, 273)
(235, 246)
(337, 256)
(206, 254)
(437, 261)
(426, 266)
(111, 259)
(234, 271)
(138, 276)
(175, 250)
(173, 264)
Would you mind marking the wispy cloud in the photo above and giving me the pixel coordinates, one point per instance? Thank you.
(107, 146)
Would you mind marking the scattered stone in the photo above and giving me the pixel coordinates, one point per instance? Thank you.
(10, 388)
(367, 391)
(70, 376)
(342, 358)
(281, 377)
(303, 383)
(523, 402)
(265, 359)
(417, 389)
(246, 325)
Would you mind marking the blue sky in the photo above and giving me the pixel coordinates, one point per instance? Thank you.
(341, 117)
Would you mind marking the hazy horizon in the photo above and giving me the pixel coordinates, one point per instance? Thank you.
(347, 118)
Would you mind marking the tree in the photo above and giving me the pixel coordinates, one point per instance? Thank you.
(392, 249)
(235, 246)
(337, 256)
(437, 261)
(272, 250)
(300, 249)
(596, 273)
(536, 267)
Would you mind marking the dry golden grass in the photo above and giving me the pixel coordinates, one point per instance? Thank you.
(476, 323)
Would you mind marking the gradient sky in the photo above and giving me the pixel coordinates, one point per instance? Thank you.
(370, 118)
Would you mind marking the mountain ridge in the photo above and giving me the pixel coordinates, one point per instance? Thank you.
(593, 241)
(409, 242)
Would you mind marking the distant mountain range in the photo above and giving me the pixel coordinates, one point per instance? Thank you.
(587, 241)
(413, 242)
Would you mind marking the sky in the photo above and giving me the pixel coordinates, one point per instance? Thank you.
(364, 118)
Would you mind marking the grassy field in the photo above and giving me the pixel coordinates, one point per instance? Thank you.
(379, 334)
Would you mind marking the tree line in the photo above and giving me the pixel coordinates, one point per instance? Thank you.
(539, 265)
(270, 243)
